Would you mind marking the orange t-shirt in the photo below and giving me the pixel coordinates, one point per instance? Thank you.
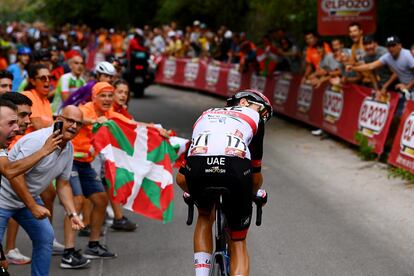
(41, 108)
(313, 57)
(84, 151)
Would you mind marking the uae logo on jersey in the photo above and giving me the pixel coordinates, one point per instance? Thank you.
(170, 67)
(333, 102)
(191, 71)
(372, 117)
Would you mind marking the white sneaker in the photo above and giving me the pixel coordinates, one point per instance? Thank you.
(58, 248)
(15, 257)
(317, 132)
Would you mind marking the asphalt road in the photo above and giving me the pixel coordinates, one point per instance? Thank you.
(329, 213)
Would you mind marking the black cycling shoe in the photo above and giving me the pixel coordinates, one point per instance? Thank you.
(123, 224)
(73, 260)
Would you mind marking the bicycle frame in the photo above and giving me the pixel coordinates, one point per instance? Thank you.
(220, 258)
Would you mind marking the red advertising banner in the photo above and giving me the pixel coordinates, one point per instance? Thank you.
(334, 16)
(402, 152)
(342, 111)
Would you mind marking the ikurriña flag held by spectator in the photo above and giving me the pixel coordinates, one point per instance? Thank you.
(138, 166)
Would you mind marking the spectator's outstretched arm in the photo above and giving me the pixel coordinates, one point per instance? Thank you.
(366, 67)
(11, 169)
(64, 191)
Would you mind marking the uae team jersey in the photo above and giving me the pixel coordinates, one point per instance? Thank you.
(224, 131)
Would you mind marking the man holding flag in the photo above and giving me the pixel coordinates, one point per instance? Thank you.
(84, 179)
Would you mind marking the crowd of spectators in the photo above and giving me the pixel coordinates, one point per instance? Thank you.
(54, 68)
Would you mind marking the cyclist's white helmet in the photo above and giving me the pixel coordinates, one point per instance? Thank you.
(254, 96)
(105, 67)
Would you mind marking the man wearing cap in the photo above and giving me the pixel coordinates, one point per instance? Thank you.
(374, 52)
(401, 63)
(69, 82)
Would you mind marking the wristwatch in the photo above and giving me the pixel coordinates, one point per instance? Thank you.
(71, 215)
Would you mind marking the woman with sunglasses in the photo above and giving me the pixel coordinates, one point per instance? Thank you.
(38, 91)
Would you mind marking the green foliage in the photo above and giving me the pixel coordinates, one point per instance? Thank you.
(254, 16)
(394, 172)
(366, 152)
(121, 13)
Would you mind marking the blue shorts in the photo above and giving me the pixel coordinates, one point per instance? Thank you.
(84, 180)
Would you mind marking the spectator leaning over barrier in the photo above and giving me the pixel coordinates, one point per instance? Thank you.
(401, 62)
(19, 196)
(312, 56)
(6, 81)
(328, 67)
(380, 75)
(356, 34)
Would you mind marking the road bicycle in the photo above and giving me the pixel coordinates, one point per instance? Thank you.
(220, 260)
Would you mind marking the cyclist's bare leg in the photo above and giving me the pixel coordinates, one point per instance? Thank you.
(203, 244)
(203, 233)
(239, 262)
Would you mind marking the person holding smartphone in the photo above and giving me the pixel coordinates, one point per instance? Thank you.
(20, 195)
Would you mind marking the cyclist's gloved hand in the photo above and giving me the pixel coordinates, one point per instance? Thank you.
(187, 198)
(261, 197)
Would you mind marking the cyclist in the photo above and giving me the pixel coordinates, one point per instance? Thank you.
(226, 151)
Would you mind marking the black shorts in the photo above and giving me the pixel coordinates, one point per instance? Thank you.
(233, 173)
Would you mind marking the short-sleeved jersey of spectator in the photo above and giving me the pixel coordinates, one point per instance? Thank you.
(383, 73)
(313, 57)
(224, 131)
(3, 153)
(84, 151)
(329, 63)
(18, 75)
(67, 84)
(403, 65)
(40, 109)
(58, 164)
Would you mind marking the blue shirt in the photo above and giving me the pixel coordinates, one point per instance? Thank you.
(18, 75)
(403, 65)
